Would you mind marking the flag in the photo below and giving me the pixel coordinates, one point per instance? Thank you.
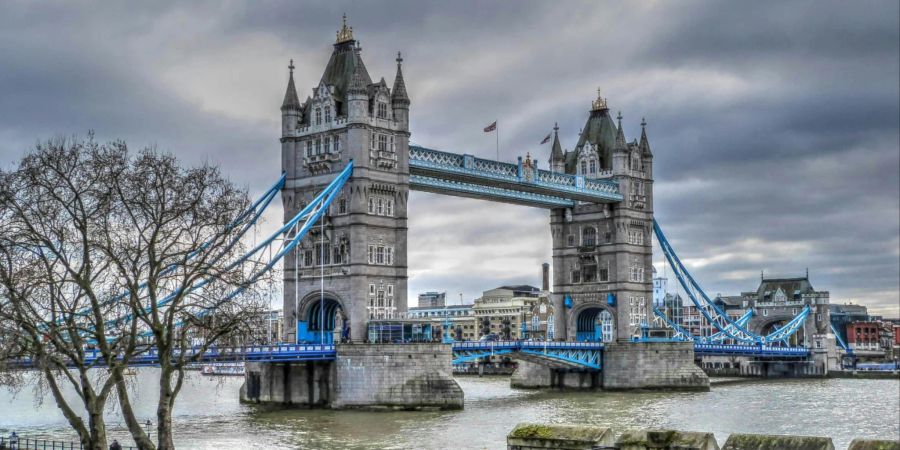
(546, 139)
(490, 127)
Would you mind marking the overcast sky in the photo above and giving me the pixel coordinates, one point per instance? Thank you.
(775, 126)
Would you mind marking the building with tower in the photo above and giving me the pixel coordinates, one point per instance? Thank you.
(361, 245)
(602, 255)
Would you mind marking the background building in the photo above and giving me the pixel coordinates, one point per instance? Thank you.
(504, 310)
(432, 299)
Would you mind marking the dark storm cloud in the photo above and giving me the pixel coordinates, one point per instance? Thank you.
(774, 125)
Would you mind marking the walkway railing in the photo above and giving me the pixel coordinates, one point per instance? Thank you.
(26, 443)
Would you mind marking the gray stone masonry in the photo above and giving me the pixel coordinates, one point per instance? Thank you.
(774, 442)
(399, 376)
(529, 436)
(307, 384)
(872, 444)
(666, 439)
(535, 375)
(652, 365)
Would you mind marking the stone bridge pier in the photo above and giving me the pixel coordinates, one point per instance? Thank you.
(369, 376)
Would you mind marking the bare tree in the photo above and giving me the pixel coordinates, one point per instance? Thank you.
(104, 253)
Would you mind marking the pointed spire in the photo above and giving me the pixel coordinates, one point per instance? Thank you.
(621, 146)
(556, 153)
(645, 144)
(398, 94)
(358, 84)
(290, 95)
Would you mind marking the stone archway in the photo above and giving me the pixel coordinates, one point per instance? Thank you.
(321, 317)
(593, 323)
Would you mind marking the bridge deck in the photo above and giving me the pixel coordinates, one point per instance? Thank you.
(468, 176)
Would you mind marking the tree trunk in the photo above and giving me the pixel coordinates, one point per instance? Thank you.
(134, 425)
(164, 410)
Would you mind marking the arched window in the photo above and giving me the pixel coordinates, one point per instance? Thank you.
(327, 144)
(593, 166)
(318, 146)
(327, 114)
(583, 167)
(589, 236)
(318, 116)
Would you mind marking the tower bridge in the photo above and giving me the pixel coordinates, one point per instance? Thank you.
(348, 169)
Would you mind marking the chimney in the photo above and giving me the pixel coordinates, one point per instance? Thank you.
(545, 276)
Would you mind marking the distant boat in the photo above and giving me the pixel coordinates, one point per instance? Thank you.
(225, 369)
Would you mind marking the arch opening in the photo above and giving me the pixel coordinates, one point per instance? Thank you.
(795, 340)
(595, 325)
(328, 313)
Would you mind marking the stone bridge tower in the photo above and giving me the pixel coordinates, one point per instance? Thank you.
(362, 251)
(602, 253)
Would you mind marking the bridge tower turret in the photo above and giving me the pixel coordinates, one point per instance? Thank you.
(602, 253)
(360, 258)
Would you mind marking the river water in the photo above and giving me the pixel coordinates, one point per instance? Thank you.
(208, 415)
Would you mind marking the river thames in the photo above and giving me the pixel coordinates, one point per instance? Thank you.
(208, 415)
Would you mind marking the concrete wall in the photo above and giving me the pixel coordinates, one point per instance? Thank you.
(407, 376)
(534, 375)
(306, 384)
(652, 365)
(774, 442)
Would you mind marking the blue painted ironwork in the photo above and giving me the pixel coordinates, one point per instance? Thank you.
(729, 328)
(582, 354)
(252, 353)
(840, 341)
(751, 350)
(469, 171)
(464, 189)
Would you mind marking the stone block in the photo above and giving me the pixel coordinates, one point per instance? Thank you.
(652, 365)
(666, 439)
(529, 436)
(777, 442)
(872, 444)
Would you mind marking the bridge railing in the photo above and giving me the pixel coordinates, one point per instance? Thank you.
(751, 349)
(503, 345)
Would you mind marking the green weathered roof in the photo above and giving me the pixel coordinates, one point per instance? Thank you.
(600, 130)
(340, 68)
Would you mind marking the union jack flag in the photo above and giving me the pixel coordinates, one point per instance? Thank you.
(546, 139)
(490, 127)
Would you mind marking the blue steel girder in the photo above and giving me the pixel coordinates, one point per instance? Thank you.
(751, 350)
(582, 354)
(482, 192)
(469, 170)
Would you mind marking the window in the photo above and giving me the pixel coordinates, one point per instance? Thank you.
(382, 143)
(337, 145)
(583, 167)
(309, 148)
(327, 144)
(576, 276)
(389, 208)
(381, 206)
(337, 258)
(327, 114)
(371, 205)
(593, 166)
(589, 236)
(381, 255)
(588, 273)
(382, 110)
(635, 237)
(318, 146)
(765, 312)
(318, 116)
(637, 312)
(307, 258)
(604, 274)
(636, 274)
(342, 206)
(571, 240)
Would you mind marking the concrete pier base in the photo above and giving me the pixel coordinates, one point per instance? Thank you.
(536, 375)
(652, 365)
(382, 376)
